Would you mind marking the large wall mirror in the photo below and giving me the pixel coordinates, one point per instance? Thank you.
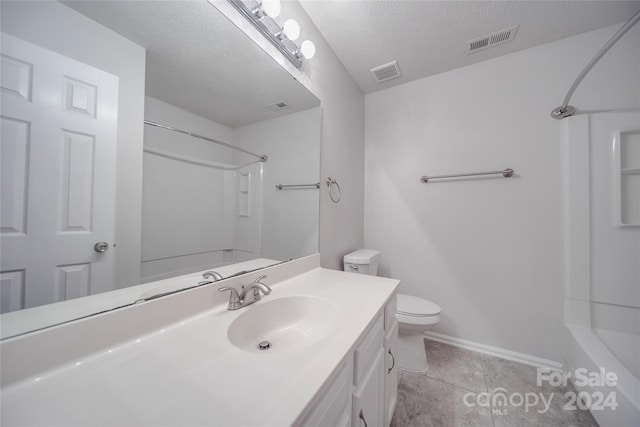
(96, 199)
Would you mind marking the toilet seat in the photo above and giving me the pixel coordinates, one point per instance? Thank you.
(409, 305)
(417, 311)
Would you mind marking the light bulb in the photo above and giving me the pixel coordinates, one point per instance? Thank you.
(271, 7)
(291, 29)
(308, 49)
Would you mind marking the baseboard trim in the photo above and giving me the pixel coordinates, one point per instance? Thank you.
(502, 353)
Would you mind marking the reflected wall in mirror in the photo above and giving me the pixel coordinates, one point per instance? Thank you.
(80, 168)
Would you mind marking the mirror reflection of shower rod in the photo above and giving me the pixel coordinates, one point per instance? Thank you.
(263, 158)
(567, 110)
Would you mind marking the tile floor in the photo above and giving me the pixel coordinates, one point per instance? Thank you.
(455, 376)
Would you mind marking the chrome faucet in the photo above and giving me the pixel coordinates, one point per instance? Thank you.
(257, 287)
(212, 275)
(250, 293)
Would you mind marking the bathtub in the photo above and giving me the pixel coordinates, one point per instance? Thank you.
(585, 349)
(601, 252)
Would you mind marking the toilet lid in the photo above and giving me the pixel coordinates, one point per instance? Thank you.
(414, 306)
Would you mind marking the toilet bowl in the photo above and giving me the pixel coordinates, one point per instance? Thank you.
(415, 315)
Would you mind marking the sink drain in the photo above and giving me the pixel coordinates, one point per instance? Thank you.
(264, 345)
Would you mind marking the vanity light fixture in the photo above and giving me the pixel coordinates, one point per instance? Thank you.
(271, 7)
(308, 49)
(261, 14)
(291, 29)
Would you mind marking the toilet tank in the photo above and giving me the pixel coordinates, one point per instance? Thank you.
(362, 261)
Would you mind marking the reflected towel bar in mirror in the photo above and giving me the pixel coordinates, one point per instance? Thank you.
(297, 186)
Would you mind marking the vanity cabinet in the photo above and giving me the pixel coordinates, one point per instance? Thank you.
(344, 370)
(363, 391)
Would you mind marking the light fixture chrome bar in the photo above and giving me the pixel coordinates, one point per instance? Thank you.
(507, 173)
(263, 158)
(259, 20)
(567, 110)
(298, 186)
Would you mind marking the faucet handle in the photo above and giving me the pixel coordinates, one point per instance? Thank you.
(234, 298)
(262, 287)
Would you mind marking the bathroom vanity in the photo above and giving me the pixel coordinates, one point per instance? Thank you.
(185, 359)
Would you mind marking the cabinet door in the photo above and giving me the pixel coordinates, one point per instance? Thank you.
(333, 407)
(367, 399)
(391, 372)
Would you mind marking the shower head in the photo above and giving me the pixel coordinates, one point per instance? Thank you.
(560, 113)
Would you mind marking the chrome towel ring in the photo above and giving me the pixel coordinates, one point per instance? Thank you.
(330, 184)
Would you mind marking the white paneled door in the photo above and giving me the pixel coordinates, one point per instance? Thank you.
(58, 154)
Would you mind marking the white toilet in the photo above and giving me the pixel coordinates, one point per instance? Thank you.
(415, 315)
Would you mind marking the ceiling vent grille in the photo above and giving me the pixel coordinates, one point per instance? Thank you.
(386, 72)
(491, 40)
(278, 106)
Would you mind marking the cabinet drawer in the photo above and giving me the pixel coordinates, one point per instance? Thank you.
(369, 347)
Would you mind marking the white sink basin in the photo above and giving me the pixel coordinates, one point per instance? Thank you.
(286, 324)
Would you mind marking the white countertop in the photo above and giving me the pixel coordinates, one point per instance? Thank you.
(188, 373)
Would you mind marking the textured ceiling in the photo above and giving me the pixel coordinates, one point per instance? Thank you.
(429, 37)
(199, 61)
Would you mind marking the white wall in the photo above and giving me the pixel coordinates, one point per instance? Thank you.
(56, 27)
(342, 151)
(341, 154)
(488, 251)
(289, 217)
(177, 143)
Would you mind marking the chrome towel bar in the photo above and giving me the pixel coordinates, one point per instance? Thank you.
(507, 173)
(297, 186)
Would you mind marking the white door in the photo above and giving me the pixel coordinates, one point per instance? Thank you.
(58, 153)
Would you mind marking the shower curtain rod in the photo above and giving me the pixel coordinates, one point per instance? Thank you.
(567, 110)
(263, 158)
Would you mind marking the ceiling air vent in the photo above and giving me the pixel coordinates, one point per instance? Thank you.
(491, 40)
(386, 72)
(278, 106)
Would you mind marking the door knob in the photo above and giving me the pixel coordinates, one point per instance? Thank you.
(101, 247)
